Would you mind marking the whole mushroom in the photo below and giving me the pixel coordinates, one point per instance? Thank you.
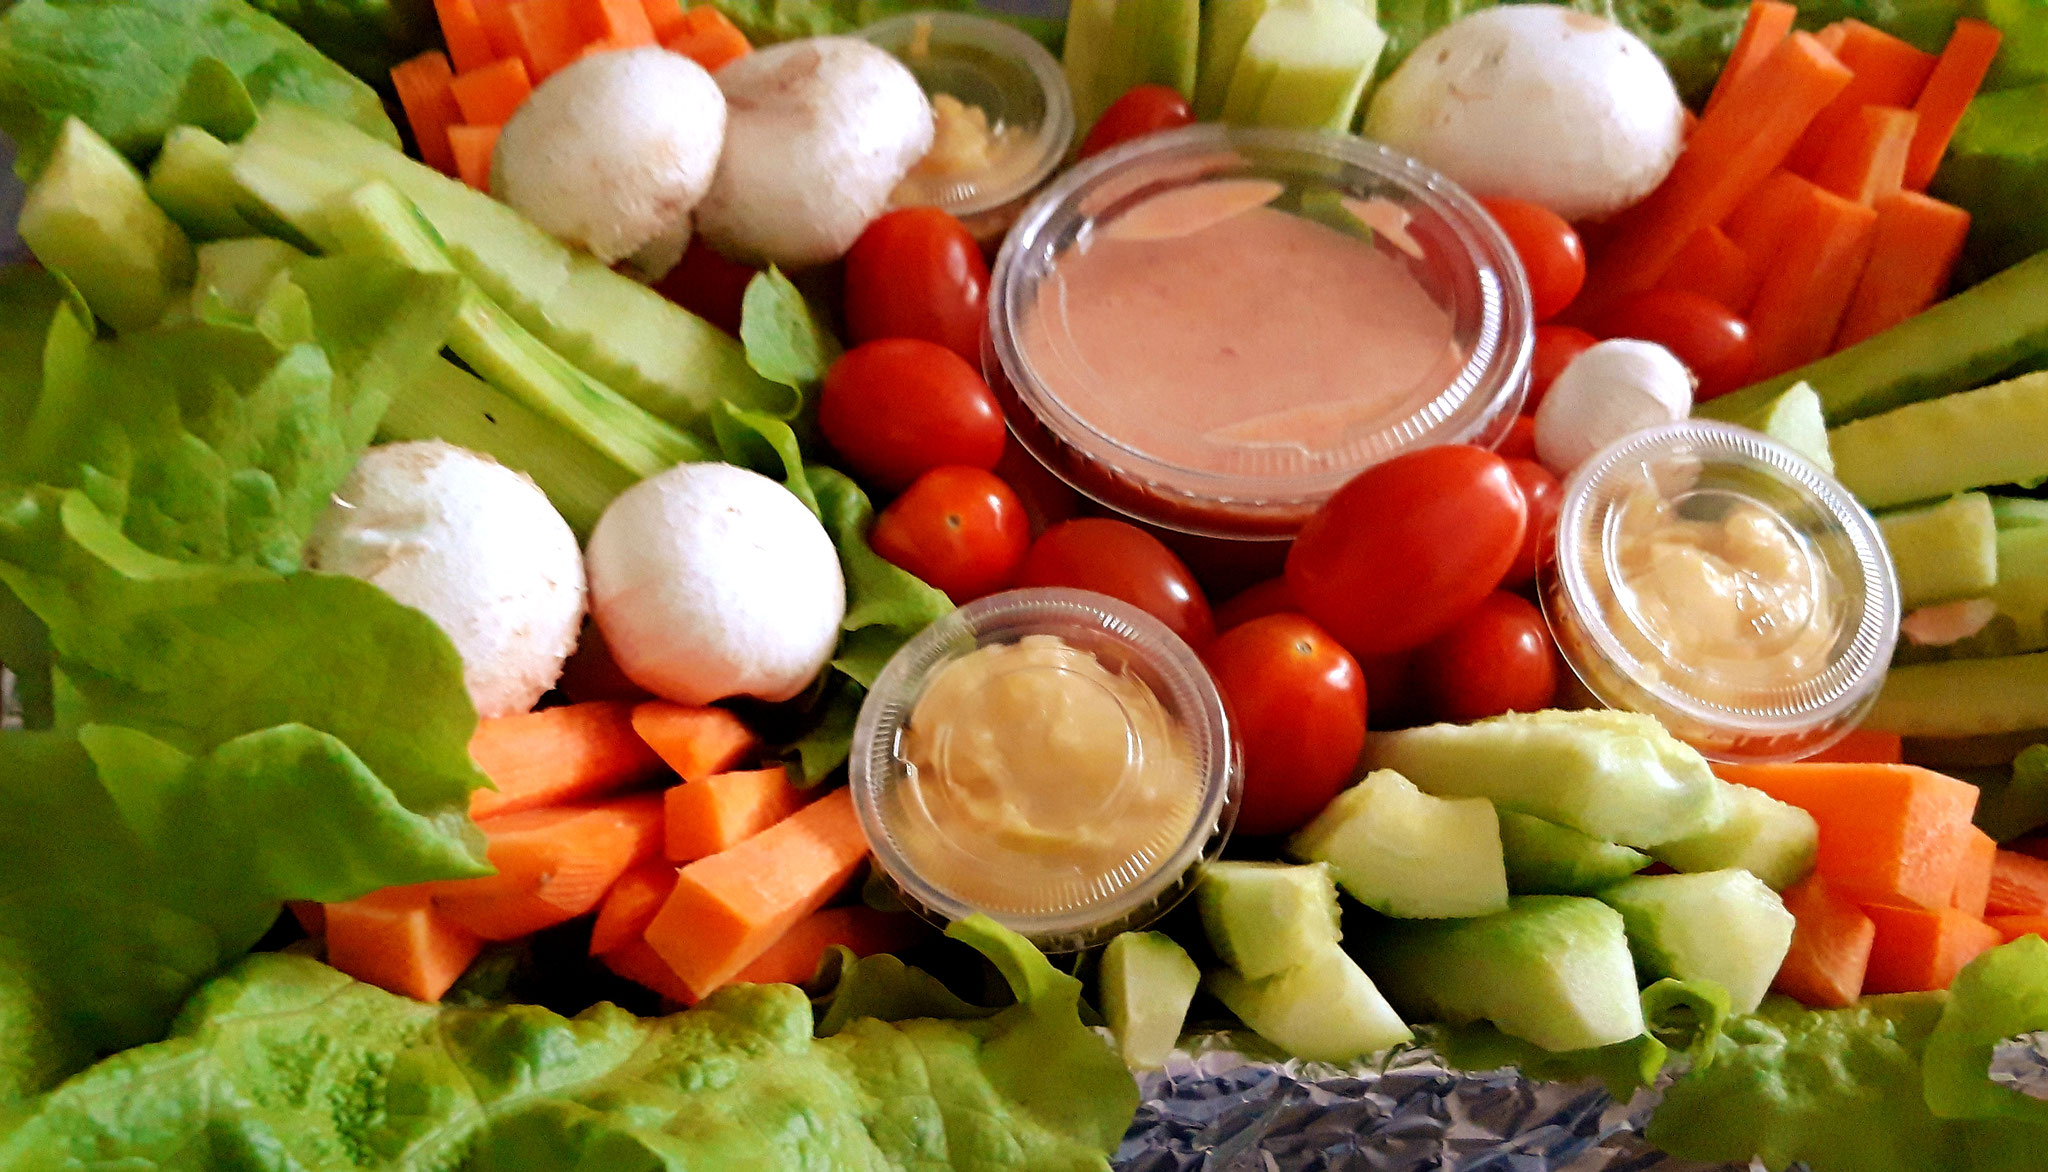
(475, 546)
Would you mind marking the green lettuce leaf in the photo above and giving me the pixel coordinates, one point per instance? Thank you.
(285, 1063)
(365, 37)
(1688, 1015)
(2013, 805)
(2001, 994)
(123, 67)
(784, 20)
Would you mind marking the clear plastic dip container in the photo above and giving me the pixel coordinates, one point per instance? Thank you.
(1213, 329)
(1055, 759)
(1005, 117)
(1722, 583)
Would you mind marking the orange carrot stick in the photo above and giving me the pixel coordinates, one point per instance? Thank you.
(423, 86)
(664, 16)
(550, 34)
(1803, 297)
(395, 940)
(1757, 227)
(1913, 251)
(488, 96)
(1712, 265)
(708, 38)
(631, 903)
(553, 865)
(637, 961)
(2014, 927)
(1889, 72)
(1868, 159)
(793, 960)
(1973, 875)
(695, 742)
(557, 755)
(474, 147)
(469, 42)
(1917, 950)
(718, 813)
(1769, 23)
(622, 24)
(1965, 61)
(1831, 939)
(2019, 885)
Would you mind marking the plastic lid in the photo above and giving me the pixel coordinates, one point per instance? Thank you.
(1719, 581)
(1085, 767)
(1012, 80)
(1256, 459)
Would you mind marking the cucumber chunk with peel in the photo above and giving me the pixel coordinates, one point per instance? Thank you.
(1794, 418)
(1943, 551)
(89, 217)
(1325, 1009)
(1544, 858)
(1148, 982)
(193, 181)
(1757, 833)
(1406, 853)
(236, 275)
(1720, 926)
(1264, 917)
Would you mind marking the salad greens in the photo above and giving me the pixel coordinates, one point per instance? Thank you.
(284, 1062)
(782, 20)
(365, 37)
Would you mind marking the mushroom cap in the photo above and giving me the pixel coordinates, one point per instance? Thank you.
(1614, 389)
(475, 546)
(710, 581)
(614, 151)
(1536, 102)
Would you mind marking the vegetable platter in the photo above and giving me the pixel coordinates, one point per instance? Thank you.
(1243, 583)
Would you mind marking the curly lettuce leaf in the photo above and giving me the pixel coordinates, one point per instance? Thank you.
(1686, 1015)
(2001, 994)
(285, 1063)
(123, 66)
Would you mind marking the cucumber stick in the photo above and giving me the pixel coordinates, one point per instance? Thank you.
(2019, 512)
(1996, 435)
(1794, 418)
(2021, 596)
(1304, 66)
(1112, 45)
(1943, 551)
(1978, 334)
(1964, 697)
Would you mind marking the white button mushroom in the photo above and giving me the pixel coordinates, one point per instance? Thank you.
(474, 545)
(1613, 389)
(710, 581)
(613, 152)
(821, 131)
(1536, 102)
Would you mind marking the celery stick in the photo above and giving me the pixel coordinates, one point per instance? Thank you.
(1793, 417)
(1976, 335)
(1964, 697)
(1943, 551)
(2019, 512)
(1997, 435)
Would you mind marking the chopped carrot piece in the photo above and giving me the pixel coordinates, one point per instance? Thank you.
(1913, 251)
(1757, 226)
(1961, 69)
(1973, 875)
(1887, 832)
(1805, 293)
(556, 755)
(496, 18)
(2019, 885)
(488, 96)
(423, 84)
(637, 961)
(1831, 939)
(469, 42)
(553, 865)
(1889, 72)
(474, 147)
(708, 38)
(1833, 36)
(720, 812)
(1735, 149)
(311, 916)
(1867, 160)
(1715, 267)
(793, 960)
(394, 939)
(2014, 927)
(631, 903)
(623, 24)
(727, 909)
(1769, 23)
(695, 742)
(1917, 950)
(550, 34)
(664, 16)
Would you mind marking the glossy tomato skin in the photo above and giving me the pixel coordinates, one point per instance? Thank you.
(1256, 602)
(1712, 342)
(1297, 702)
(1397, 555)
(1556, 346)
(918, 273)
(1544, 495)
(1048, 500)
(1550, 250)
(708, 285)
(898, 408)
(1123, 561)
(960, 529)
(1143, 110)
(1497, 658)
(1520, 441)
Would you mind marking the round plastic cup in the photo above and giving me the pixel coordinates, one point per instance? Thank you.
(1239, 488)
(1086, 908)
(1012, 79)
(1703, 469)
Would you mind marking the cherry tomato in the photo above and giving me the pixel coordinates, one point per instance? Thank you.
(1556, 346)
(960, 529)
(1123, 561)
(918, 273)
(1520, 441)
(708, 285)
(1048, 500)
(1407, 547)
(1544, 495)
(1143, 110)
(1713, 343)
(898, 408)
(1550, 251)
(1497, 658)
(1297, 701)
(1256, 602)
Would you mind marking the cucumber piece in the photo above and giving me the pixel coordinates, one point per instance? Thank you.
(1323, 1010)
(1553, 970)
(2019, 512)
(1403, 852)
(1305, 66)
(1794, 418)
(1757, 833)
(1148, 982)
(1996, 435)
(1978, 334)
(446, 402)
(1544, 858)
(1112, 45)
(193, 181)
(1264, 917)
(1943, 551)
(2020, 596)
(236, 275)
(1720, 926)
(1617, 776)
(1226, 26)
(1964, 697)
(89, 217)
